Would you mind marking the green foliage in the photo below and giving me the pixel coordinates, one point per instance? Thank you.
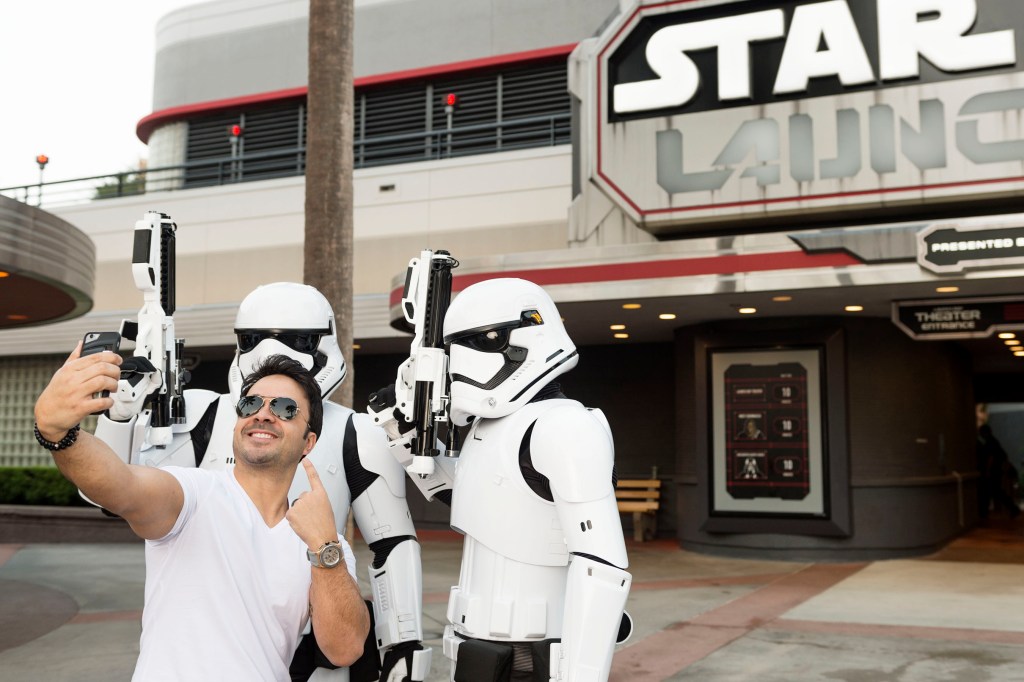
(124, 185)
(37, 485)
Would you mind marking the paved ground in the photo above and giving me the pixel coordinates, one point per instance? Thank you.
(71, 612)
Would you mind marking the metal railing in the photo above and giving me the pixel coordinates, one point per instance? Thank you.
(380, 150)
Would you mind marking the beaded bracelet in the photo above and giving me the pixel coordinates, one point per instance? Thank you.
(66, 442)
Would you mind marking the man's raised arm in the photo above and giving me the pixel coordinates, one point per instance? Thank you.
(150, 500)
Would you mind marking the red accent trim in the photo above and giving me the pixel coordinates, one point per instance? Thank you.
(663, 269)
(145, 127)
(601, 116)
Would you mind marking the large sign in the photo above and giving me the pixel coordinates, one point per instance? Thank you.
(959, 318)
(716, 109)
(952, 248)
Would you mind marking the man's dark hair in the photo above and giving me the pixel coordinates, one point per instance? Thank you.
(286, 366)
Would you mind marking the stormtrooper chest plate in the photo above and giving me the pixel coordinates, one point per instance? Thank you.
(491, 501)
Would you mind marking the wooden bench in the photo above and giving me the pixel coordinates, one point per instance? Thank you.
(642, 498)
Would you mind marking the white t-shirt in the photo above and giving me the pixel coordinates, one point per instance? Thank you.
(227, 598)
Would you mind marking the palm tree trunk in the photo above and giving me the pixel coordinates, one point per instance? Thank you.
(328, 263)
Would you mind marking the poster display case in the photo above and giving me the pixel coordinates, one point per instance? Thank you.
(766, 426)
(772, 446)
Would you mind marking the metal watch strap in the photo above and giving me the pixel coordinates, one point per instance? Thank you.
(66, 442)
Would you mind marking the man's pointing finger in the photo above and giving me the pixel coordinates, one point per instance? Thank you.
(312, 475)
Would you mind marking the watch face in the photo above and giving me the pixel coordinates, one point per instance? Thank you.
(331, 556)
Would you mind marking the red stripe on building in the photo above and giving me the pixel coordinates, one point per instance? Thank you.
(663, 269)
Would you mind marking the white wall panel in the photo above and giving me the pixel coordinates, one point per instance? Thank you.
(234, 237)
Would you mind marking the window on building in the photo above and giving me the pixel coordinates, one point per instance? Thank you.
(512, 108)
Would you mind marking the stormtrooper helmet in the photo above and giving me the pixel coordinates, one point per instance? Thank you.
(289, 319)
(506, 342)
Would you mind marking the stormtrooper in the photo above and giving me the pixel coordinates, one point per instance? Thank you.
(542, 585)
(351, 457)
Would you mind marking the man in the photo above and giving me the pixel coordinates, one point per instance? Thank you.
(997, 480)
(227, 561)
(542, 584)
(351, 457)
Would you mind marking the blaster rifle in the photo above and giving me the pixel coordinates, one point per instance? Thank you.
(153, 268)
(424, 382)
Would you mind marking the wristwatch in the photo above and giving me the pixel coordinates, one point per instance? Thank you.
(328, 556)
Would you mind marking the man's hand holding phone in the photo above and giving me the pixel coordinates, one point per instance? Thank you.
(97, 342)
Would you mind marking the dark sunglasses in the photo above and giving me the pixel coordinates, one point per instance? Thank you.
(301, 342)
(282, 408)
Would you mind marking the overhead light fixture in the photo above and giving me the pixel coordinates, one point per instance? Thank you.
(853, 308)
(17, 317)
(617, 327)
(621, 335)
(1007, 335)
(1011, 342)
(782, 299)
(667, 316)
(747, 311)
(1016, 348)
(1020, 354)
(947, 290)
(356, 346)
(631, 306)
(4, 274)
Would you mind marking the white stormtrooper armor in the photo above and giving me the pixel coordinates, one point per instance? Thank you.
(351, 457)
(543, 556)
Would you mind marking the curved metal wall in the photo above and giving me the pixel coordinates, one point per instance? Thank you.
(50, 267)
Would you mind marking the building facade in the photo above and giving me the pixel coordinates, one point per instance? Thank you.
(789, 227)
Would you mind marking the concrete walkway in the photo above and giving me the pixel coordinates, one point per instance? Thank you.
(71, 612)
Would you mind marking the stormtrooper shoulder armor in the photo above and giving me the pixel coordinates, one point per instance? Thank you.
(572, 446)
(197, 402)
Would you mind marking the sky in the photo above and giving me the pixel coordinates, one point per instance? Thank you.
(76, 76)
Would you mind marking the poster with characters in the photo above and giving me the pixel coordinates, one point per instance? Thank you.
(767, 432)
(766, 442)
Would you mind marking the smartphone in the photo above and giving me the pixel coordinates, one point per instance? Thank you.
(97, 342)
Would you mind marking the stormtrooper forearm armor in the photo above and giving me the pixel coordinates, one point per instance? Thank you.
(595, 597)
(431, 485)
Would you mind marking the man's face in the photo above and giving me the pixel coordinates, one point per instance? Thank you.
(265, 440)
